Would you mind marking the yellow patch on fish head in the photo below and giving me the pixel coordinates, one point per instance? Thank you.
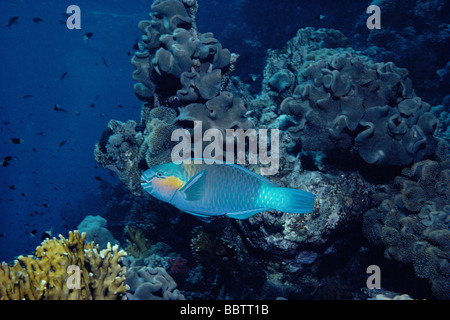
(170, 183)
(164, 187)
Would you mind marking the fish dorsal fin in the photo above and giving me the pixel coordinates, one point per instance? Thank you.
(257, 176)
(193, 190)
(253, 174)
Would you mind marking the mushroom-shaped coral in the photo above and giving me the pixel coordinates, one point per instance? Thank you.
(345, 101)
(222, 112)
(95, 229)
(147, 283)
(412, 221)
(174, 54)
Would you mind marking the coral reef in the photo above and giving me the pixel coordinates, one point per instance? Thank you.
(172, 48)
(344, 101)
(45, 275)
(95, 229)
(118, 150)
(182, 75)
(138, 245)
(179, 268)
(443, 114)
(224, 112)
(129, 148)
(325, 99)
(383, 294)
(147, 283)
(412, 221)
(402, 39)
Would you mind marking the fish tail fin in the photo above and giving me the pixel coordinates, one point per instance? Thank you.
(294, 201)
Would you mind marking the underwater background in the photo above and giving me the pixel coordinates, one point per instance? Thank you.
(364, 121)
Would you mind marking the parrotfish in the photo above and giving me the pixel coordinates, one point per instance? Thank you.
(208, 190)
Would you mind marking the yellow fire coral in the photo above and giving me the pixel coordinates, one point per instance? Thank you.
(138, 245)
(47, 276)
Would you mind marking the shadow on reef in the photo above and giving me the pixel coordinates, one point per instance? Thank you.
(336, 161)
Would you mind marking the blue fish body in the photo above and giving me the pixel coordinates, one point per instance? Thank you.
(222, 188)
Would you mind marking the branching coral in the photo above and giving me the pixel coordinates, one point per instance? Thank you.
(45, 275)
(138, 245)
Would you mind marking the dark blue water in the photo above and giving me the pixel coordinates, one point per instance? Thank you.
(50, 181)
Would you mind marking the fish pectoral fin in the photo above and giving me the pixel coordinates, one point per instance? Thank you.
(201, 217)
(245, 214)
(194, 189)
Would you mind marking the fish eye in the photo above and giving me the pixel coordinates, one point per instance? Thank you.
(159, 174)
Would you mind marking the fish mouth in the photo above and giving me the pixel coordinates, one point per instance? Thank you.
(146, 185)
(146, 181)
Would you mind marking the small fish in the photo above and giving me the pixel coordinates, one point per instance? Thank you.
(120, 106)
(92, 105)
(62, 143)
(63, 75)
(12, 21)
(58, 108)
(320, 17)
(46, 234)
(7, 158)
(33, 233)
(4, 163)
(104, 61)
(16, 140)
(207, 190)
(88, 36)
(99, 178)
(37, 20)
(27, 96)
(12, 187)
